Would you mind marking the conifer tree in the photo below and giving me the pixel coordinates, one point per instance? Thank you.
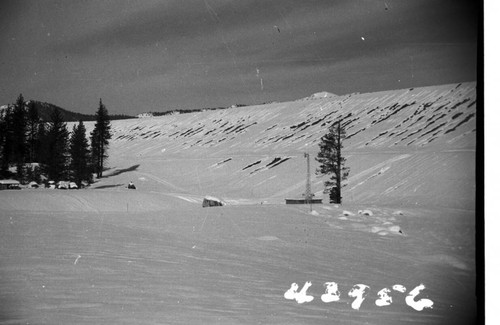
(33, 122)
(57, 147)
(6, 142)
(100, 138)
(332, 162)
(80, 155)
(19, 144)
(41, 149)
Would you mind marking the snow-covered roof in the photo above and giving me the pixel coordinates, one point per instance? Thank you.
(8, 181)
(211, 198)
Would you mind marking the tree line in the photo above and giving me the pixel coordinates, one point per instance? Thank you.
(32, 149)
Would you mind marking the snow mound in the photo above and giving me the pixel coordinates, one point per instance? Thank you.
(322, 94)
(383, 231)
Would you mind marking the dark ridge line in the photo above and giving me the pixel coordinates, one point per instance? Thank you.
(305, 127)
(459, 103)
(227, 129)
(276, 161)
(416, 121)
(395, 111)
(224, 161)
(283, 138)
(424, 107)
(299, 137)
(185, 132)
(437, 127)
(171, 135)
(378, 136)
(373, 109)
(400, 133)
(297, 125)
(353, 134)
(210, 131)
(349, 122)
(196, 143)
(280, 162)
(441, 107)
(409, 135)
(242, 128)
(434, 120)
(251, 165)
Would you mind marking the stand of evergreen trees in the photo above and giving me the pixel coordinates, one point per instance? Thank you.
(31, 149)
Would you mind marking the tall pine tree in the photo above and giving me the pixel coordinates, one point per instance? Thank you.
(33, 125)
(41, 150)
(57, 147)
(332, 162)
(19, 143)
(80, 156)
(6, 139)
(100, 138)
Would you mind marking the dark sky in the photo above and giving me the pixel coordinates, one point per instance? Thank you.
(141, 56)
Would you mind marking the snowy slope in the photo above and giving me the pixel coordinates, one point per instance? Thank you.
(414, 146)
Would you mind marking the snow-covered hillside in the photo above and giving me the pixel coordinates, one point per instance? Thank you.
(410, 146)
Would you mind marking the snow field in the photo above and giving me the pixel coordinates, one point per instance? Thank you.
(233, 264)
(108, 255)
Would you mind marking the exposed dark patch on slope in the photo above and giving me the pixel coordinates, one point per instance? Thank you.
(224, 161)
(277, 161)
(459, 103)
(251, 165)
(353, 134)
(465, 120)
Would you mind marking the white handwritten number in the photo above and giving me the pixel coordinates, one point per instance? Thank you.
(383, 298)
(331, 292)
(359, 292)
(399, 287)
(290, 293)
(420, 304)
(300, 296)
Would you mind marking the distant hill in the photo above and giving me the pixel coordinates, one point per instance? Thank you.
(184, 111)
(45, 109)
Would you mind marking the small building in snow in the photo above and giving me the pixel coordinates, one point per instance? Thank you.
(210, 201)
(9, 184)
